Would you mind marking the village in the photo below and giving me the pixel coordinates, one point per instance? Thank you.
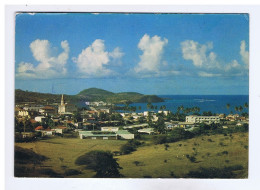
(100, 122)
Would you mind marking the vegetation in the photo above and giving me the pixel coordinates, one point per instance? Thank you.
(91, 94)
(101, 162)
(150, 157)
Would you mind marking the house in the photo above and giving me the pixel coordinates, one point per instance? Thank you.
(146, 130)
(186, 124)
(136, 126)
(39, 118)
(60, 129)
(164, 112)
(27, 134)
(25, 113)
(201, 119)
(48, 110)
(111, 129)
(97, 135)
(39, 128)
(124, 134)
(47, 132)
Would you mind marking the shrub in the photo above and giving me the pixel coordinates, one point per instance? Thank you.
(191, 158)
(130, 146)
(166, 146)
(159, 139)
(127, 148)
(101, 162)
(71, 172)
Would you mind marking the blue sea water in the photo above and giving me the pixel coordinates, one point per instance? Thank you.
(213, 103)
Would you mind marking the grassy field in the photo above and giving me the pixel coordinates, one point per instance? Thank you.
(149, 160)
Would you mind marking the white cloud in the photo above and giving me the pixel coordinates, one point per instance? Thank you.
(244, 54)
(150, 60)
(116, 53)
(49, 66)
(93, 61)
(206, 63)
(205, 74)
(199, 54)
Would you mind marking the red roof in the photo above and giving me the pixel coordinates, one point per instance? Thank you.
(33, 121)
(39, 128)
(48, 108)
(92, 112)
(61, 127)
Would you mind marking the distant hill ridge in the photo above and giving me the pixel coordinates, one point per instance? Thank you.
(90, 94)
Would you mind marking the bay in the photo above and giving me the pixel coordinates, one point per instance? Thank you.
(213, 103)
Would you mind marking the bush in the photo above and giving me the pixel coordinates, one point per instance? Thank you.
(159, 139)
(127, 148)
(101, 162)
(130, 146)
(191, 158)
(71, 172)
(212, 172)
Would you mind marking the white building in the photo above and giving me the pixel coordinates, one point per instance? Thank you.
(111, 129)
(65, 108)
(201, 119)
(39, 118)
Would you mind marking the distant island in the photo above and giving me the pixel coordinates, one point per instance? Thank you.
(90, 94)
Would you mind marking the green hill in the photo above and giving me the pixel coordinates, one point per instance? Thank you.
(91, 94)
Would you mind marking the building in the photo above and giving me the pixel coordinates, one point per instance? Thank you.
(97, 135)
(106, 135)
(112, 129)
(39, 118)
(65, 108)
(48, 110)
(146, 130)
(201, 119)
(186, 124)
(124, 134)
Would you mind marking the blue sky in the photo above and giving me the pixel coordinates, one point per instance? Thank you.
(146, 53)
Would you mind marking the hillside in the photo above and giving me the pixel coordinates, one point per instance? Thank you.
(91, 94)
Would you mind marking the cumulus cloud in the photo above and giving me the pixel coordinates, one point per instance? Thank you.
(244, 54)
(49, 65)
(93, 61)
(199, 54)
(150, 60)
(206, 62)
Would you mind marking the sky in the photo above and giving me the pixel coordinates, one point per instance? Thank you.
(162, 54)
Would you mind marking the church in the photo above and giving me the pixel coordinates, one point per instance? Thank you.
(65, 108)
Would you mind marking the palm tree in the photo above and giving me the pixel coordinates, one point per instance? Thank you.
(228, 106)
(240, 108)
(246, 105)
(236, 108)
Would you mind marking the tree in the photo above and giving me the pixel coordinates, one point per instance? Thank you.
(77, 117)
(240, 108)
(160, 126)
(246, 105)
(101, 162)
(228, 106)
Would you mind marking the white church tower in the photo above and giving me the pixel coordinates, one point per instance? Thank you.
(62, 106)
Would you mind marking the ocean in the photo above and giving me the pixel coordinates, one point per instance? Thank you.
(213, 103)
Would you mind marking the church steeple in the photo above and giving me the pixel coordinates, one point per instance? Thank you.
(62, 100)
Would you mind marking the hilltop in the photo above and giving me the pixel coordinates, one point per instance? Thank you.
(91, 94)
